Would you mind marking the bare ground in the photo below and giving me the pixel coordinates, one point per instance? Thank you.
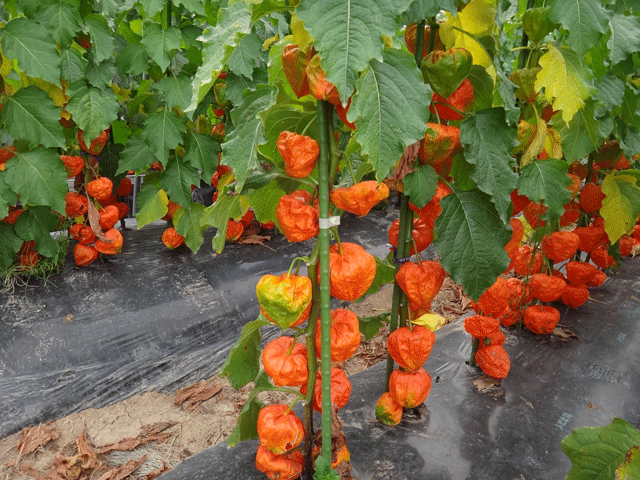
(145, 435)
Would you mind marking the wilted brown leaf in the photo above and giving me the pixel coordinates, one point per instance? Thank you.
(196, 393)
(33, 438)
(254, 240)
(404, 166)
(94, 220)
(150, 433)
(123, 470)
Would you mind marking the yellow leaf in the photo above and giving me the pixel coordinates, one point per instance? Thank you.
(267, 43)
(478, 19)
(553, 144)
(301, 37)
(621, 206)
(537, 144)
(563, 82)
(431, 320)
(54, 91)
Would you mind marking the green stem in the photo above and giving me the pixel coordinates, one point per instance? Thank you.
(168, 13)
(475, 343)
(327, 149)
(312, 362)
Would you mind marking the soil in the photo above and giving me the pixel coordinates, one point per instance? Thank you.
(148, 434)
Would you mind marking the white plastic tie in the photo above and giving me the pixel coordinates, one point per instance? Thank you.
(325, 223)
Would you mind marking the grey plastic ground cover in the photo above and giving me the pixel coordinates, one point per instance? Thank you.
(147, 319)
(513, 433)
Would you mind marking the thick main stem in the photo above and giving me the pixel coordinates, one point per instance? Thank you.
(324, 161)
(310, 333)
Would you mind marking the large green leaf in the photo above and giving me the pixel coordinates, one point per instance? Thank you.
(419, 9)
(631, 143)
(610, 90)
(176, 91)
(38, 177)
(31, 115)
(162, 132)
(33, 47)
(289, 117)
(161, 43)
(177, 179)
(110, 161)
(237, 84)
(267, 7)
(217, 215)
(151, 203)
(265, 200)
(243, 59)
(9, 245)
(133, 59)
(37, 223)
(348, 33)
(621, 206)
(625, 37)
(596, 452)
(102, 36)
(196, 6)
(586, 21)
(240, 151)
(242, 364)
(246, 426)
(390, 109)
(92, 109)
(151, 7)
(188, 224)
(584, 133)
(487, 139)
(61, 20)
(136, 156)
(218, 44)
(100, 75)
(470, 240)
(421, 185)
(630, 107)
(7, 197)
(72, 65)
(202, 152)
(546, 181)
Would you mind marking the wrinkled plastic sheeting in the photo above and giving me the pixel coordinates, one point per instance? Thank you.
(509, 432)
(148, 319)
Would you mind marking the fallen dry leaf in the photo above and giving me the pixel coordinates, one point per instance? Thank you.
(150, 433)
(564, 333)
(29, 470)
(123, 470)
(196, 393)
(159, 471)
(33, 438)
(254, 239)
(79, 466)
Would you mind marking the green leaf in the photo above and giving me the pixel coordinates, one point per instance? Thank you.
(243, 59)
(237, 84)
(93, 110)
(419, 10)
(151, 7)
(625, 37)
(621, 206)
(323, 470)
(546, 181)
(72, 66)
(585, 20)
(136, 156)
(348, 33)
(196, 6)
(102, 36)
(631, 142)
(267, 7)
(100, 75)
(37, 223)
(370, 326)
(132, 59)
(218, 43)
(177, 179)
(421, 185)
(176, 91)
(470, 238)
(7, 197)
(202, 152)
(482, 86)
(390, 109)
(9, 245)
(188, 224)
(33, 47)
(610, 90)
(216, 215)
(265, 200)
(242, 364)
(488, 139)
(240, 150)
(630, 107)
(152, 204)
(61, 20)
(281, 117)
(385, 273)
(110, 160)
(162, 132)
(596, 452)
(246, 426)
(582, 134)
(161, 44)
(38, 177)
(564, 80)
(31, 115)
